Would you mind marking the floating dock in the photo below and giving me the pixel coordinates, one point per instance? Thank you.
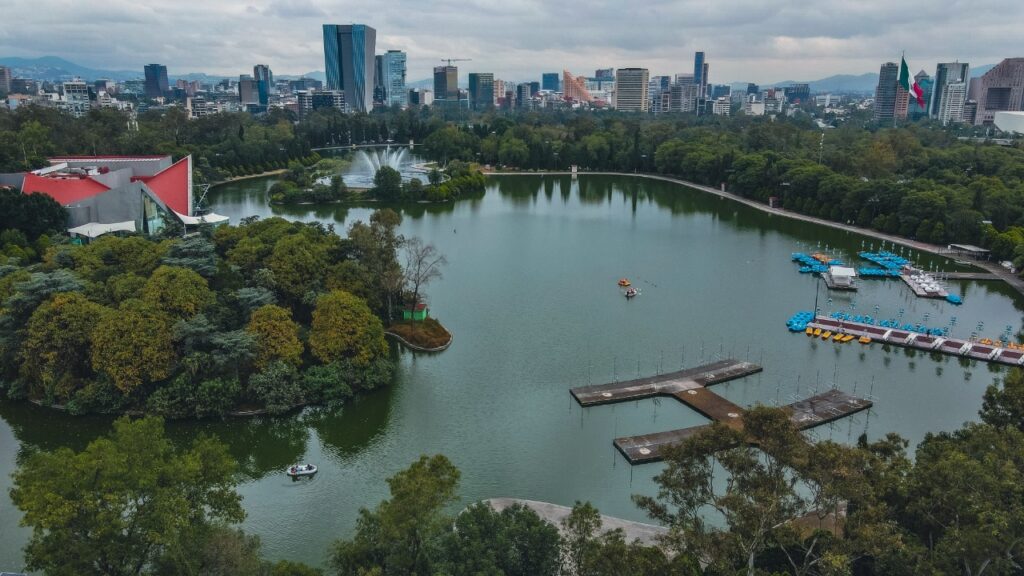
(924, 342)
(690, 387)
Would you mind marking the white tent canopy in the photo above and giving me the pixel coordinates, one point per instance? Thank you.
(95, 229)
(210, 218)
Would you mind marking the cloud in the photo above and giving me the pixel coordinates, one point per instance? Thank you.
(745, 40)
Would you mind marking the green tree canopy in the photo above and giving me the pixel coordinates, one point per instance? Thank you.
(179, 292)
(277, 336)
(343, 327)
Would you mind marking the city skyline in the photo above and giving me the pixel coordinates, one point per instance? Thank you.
(745, 40)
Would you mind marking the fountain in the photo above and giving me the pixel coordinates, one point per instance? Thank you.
(366, 163)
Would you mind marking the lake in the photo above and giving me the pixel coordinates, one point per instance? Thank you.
(530, 295)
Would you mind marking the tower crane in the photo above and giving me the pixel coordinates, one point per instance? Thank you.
(450, 60)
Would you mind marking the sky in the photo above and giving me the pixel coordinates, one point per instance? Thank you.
(745, 40)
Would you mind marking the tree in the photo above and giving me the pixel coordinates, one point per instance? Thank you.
(513, 542)
(55, 352)
(1004, 406)
(387, 184)
(134, 346)
(277, 387)
(396, 538)
(277, 336)
(180, 292)
(422, 265)
(343, 327)
(298, 263)
(121, 504)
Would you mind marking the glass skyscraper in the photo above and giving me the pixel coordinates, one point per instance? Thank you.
(392, 78)
(549, 81)
(264, 80)
(481, 90)
(349, 62)
(156, 80)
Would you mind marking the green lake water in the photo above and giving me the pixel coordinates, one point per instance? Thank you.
(530, 294)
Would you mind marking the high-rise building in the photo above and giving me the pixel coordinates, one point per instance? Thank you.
(631, 89)
(753, 89)
(264, 82)
(885, 93)
(305, 84)
(549, 81)
(446, 83)
(797, 93)
(925, 82)
(5, 80)
(721, 91)
(523, 95)
(699, 74)
(309, 101)
(156, 80)
(946, 73)
(481, 90)
(1001, 90)
(349, 62)
(605, 73)
(574, 88)
(683, 95)
(902, 106)
(420, 97)
(951, 103)
(76, 98)
(389, 79)
(248, 90)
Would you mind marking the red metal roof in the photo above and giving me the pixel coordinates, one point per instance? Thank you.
(57, 159)
(64, 190)
(171, 186)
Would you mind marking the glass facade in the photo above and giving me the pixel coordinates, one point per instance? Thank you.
(393, 78)
(349, 63)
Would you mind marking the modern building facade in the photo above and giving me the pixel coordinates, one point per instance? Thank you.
(951, 103)
(947, 73)
(549, 81)
(309, 101)
(5, 80)
(264, 83)
(156, 80)
(481, 90)
(76, 98)
(392, 72)
(574, 88)
(248, 90)
(700, 70)
(446, 83)
(797, 93)
(421, 97)
(1001, 90)
(632, 89)
(926, 83)
(349, 63)
(885, 93)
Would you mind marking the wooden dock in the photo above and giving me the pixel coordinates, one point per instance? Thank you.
(814, 411)
(923, 342)
(690, 387)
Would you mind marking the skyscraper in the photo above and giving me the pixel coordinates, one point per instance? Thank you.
(1001, 90)
(700, 74)
(391, 78)
(156, 80)
(5, 80)
(481, 90)
(264, 81)
(446, 83)
(885, 93)
(631, 89)
(946, 73)
(248, 90)
(951, 103)
(349, 62)
(925, 82)
(549, 81)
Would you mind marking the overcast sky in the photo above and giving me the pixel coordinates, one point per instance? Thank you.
(745, 40)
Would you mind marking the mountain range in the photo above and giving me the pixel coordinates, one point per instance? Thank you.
(54, 68)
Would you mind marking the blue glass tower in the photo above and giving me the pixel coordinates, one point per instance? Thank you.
(349, 63)
(698, 74)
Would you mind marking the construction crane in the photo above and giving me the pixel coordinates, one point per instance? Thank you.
(450, 60)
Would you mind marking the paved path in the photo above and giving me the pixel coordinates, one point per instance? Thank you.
(992, 267)
(553, 513)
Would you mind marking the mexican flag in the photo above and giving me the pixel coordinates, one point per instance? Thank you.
(905, 82)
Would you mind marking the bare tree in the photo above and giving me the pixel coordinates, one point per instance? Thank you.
(422, 265)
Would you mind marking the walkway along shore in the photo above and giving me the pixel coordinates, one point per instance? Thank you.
(992, 267)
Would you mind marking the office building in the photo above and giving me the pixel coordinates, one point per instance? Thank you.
(481, 90)
(773, 104)
(797, 93)
(305, 84)
(632, 89)
(549, 81)
(523, 95)
(574, 88)
(264, 83)
(885, 93)
(926, 83)
(700, 70)
(248, 90)
(391, 81)
(1001, 90)
(683, 96)
(5, 80)
(534, 88)
(446, 83)
(946, 73)
(308, 101)
(349, 63)
(156, 80)
(421, 97)
(970, 111)
(753, 89)
(721, 106)
(720, 91)
(24, 86)
(951, 103)
(605, 74)
(76, 98)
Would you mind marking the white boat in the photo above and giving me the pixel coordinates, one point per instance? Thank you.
(632, 292)
(300, 470)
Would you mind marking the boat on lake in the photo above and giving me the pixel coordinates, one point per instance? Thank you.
(624, 282)
(300, 470)
(632, 292)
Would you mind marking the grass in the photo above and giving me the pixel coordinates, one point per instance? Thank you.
(428, 333)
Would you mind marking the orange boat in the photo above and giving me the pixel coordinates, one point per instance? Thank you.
(624, 282)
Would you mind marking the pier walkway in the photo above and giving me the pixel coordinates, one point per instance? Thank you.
(690, 387)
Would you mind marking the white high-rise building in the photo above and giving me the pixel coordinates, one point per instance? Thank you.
(951, 103)
(632, 89)
(76, 98)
